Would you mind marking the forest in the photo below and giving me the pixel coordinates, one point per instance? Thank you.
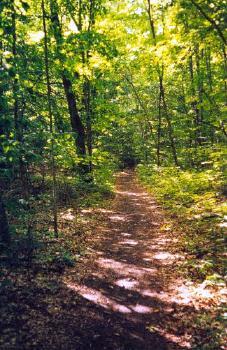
(112, 174)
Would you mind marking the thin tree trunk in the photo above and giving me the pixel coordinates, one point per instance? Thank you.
(87, 88)
(194, 102)
(16, 109)
(141, 103)
(208, 67)
(159, 130)
(5, 237)
(87, 92)
(186, 108)
(53, 167)
(4, 227)
(199, 88)
(220, 33)
(225, 73)
(151, 22)
(160, 71)
(169, 124)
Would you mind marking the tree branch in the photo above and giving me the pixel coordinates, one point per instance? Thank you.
(211, 20)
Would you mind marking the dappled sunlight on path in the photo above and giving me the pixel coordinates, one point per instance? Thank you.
(124, 292)
(130, 278)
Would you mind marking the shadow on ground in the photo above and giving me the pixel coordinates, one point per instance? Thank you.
(124, 296)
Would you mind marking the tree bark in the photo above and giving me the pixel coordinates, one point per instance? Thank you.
(159, 131)
(76, 123)
(194, 102)
(160, 71)
(141, 103)
(48, 86)
(87, 92)
(169, 124)
(4, 227)
(211, 20)
(23, 174)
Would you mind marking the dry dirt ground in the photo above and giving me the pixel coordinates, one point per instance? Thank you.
(125, 294)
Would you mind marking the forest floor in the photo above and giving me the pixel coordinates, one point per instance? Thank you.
(125, 293)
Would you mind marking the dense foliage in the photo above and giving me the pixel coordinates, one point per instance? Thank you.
(88, 88)
(91, 86)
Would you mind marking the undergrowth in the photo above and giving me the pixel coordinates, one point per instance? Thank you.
(33, 240)
(195, 201)
(195, 205)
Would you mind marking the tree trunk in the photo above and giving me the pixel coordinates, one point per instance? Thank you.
(169, 124)
(208, 68)
(23, 175)
(200, 90)
(4, 227)
(159, 130)
(194, 103)
(48, 86)
(160, 70)
(76, 123)
(87, 92)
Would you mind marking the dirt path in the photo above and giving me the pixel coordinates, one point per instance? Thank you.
(124, 295)
(130, 297)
